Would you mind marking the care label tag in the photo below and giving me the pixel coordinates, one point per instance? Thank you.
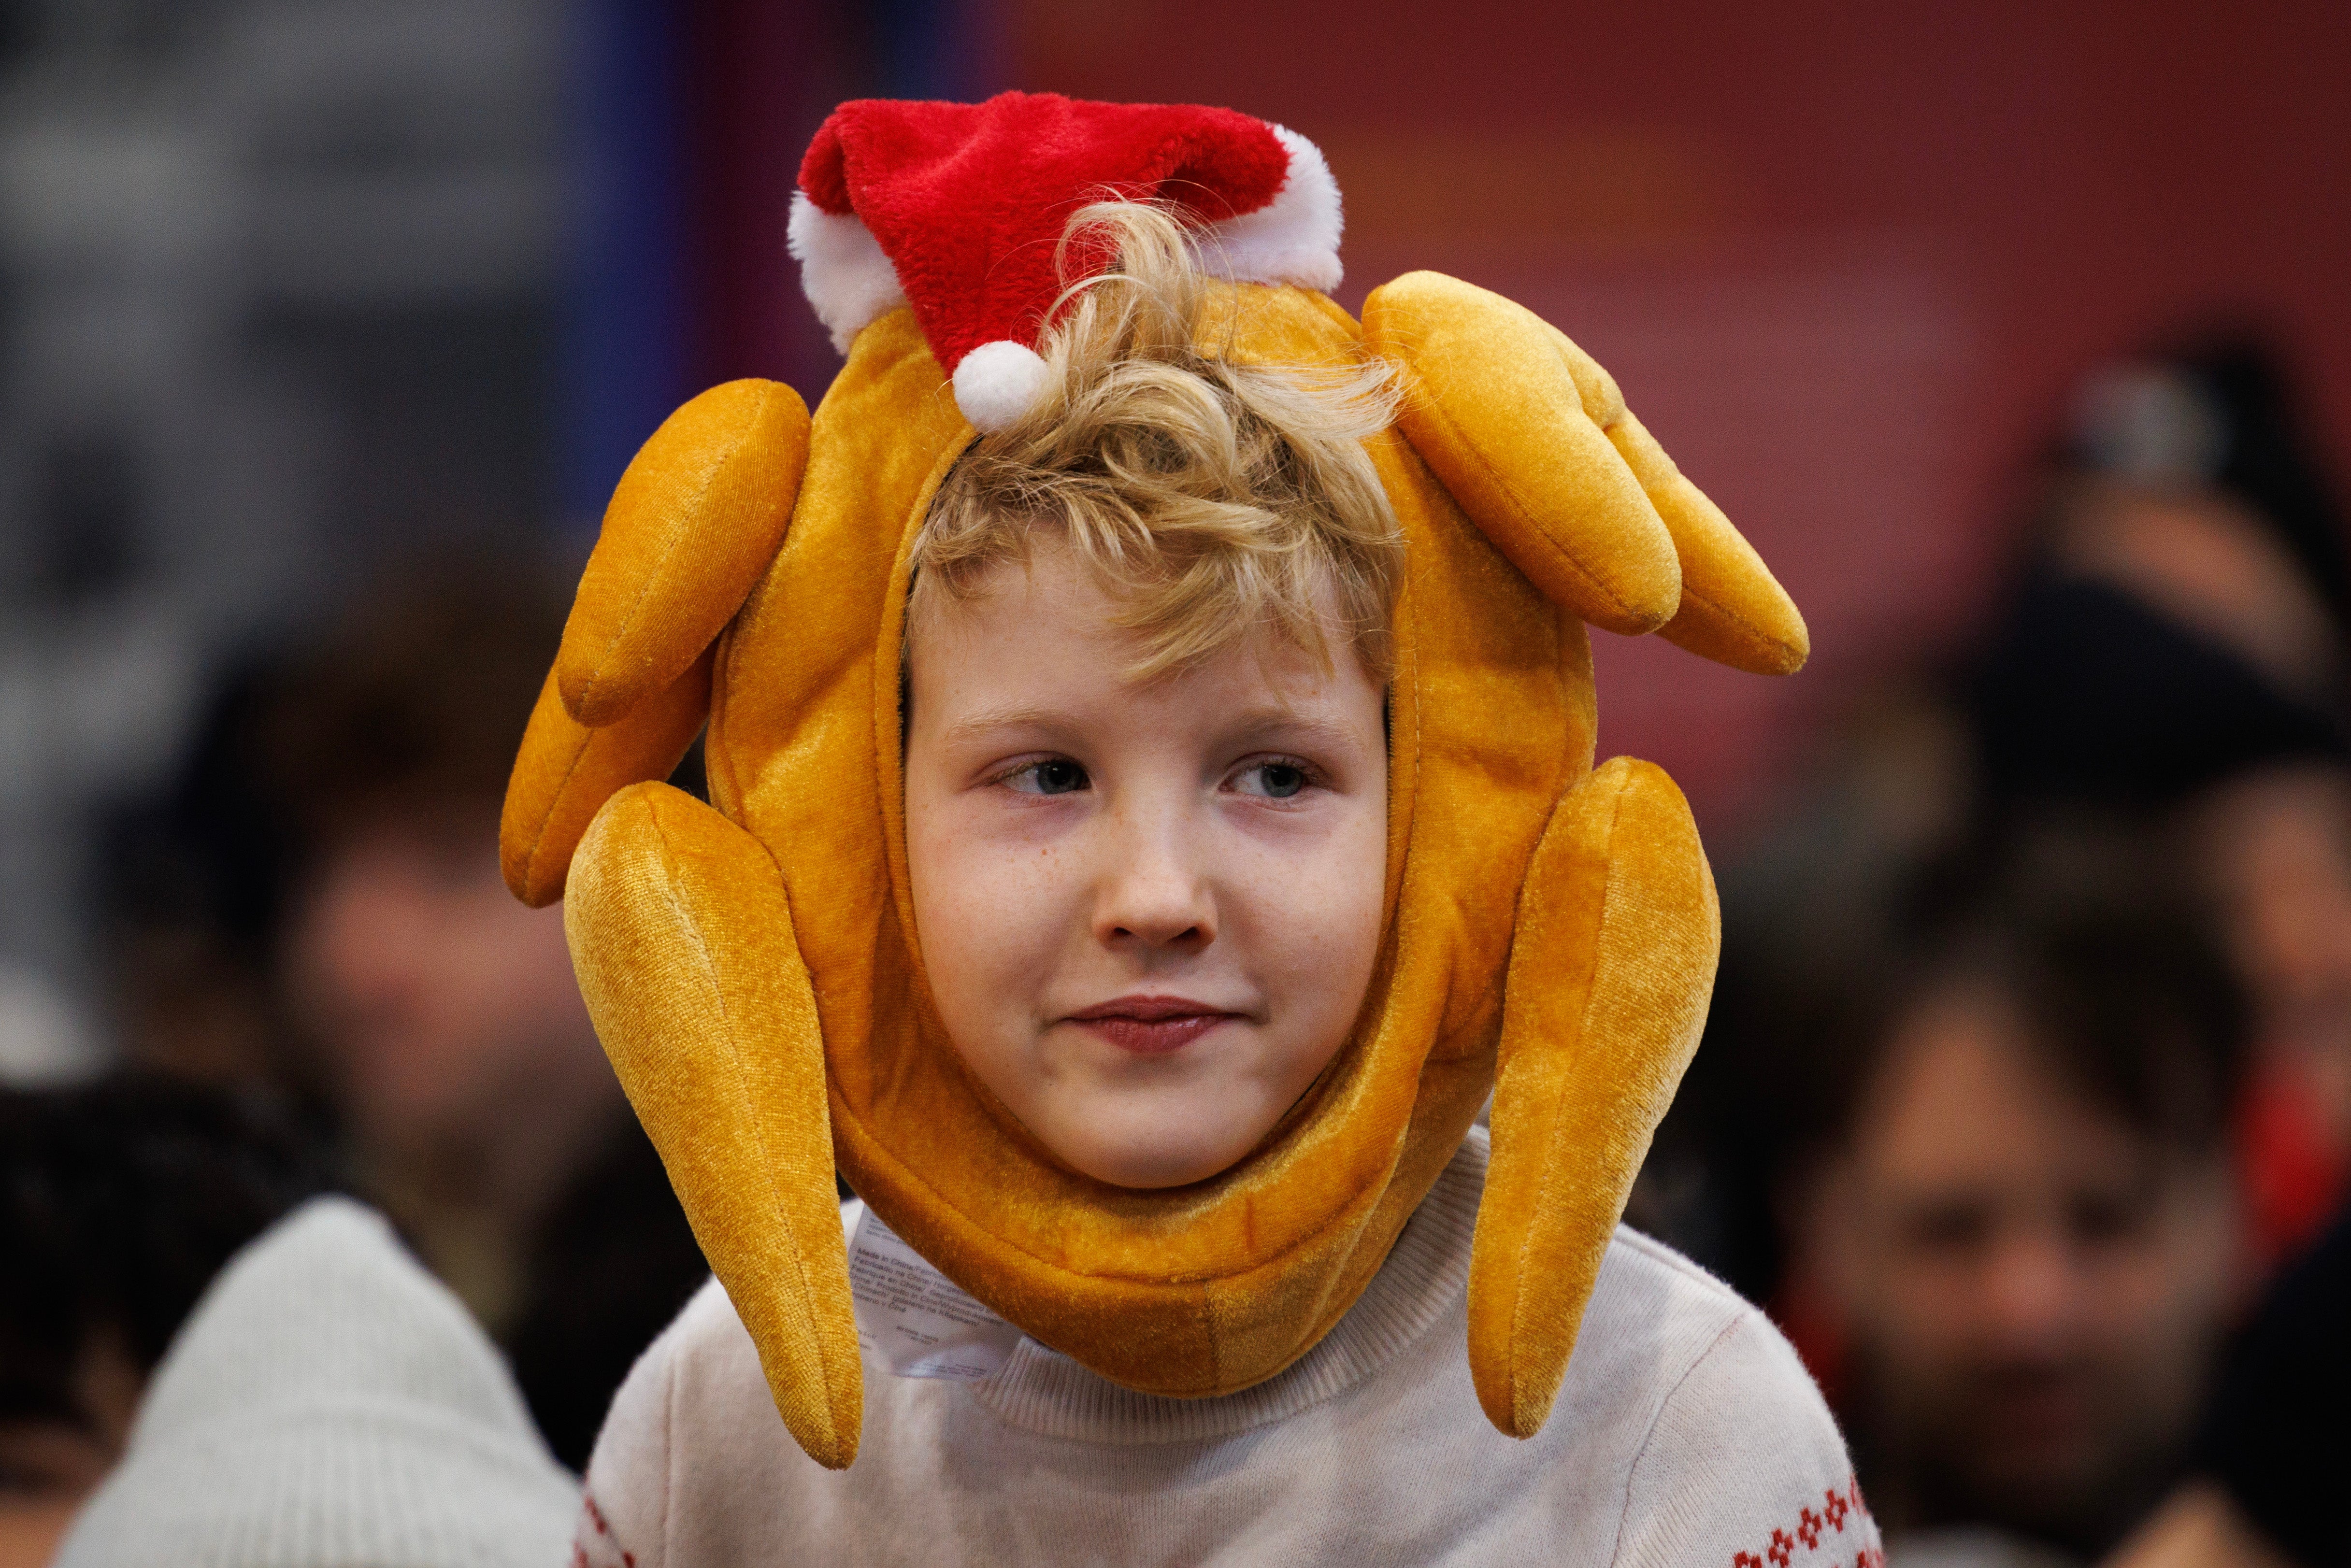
(915, 1319)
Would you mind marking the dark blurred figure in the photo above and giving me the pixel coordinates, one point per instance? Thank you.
(2274, 1451)
(2274, 1439)
(2180, 615)
(193, 882)
(431, 1017)
(118, 1202)
(2176, 641)
(2019, 1224)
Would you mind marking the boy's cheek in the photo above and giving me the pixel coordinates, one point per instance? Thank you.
(1321, 906)
(949, 826)
(990, 929)
(1333, 826)
(984, 888)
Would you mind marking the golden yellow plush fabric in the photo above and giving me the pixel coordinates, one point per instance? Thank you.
(1615, 945)
(1556, 920)
(705, 502)
(694, 941)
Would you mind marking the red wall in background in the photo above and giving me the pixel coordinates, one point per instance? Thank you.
(759, 78)
(1846, 261)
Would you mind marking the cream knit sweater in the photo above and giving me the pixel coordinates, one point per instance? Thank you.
(1687, 1432)
(329, 1404)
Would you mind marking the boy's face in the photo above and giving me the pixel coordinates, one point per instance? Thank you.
(1148, 913)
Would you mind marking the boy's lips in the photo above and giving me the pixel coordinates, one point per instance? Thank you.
(1151, 1026)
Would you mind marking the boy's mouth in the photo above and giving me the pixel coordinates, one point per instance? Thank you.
(1151, 1026)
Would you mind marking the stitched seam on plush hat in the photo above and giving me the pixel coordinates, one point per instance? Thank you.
(1305, 1239)
(1744, 624)
(546, 818)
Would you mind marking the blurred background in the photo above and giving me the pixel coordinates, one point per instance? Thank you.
(2015, 335)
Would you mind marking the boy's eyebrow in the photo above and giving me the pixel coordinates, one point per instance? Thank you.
(1256, 720)
(1011, 717)
(1273, 720)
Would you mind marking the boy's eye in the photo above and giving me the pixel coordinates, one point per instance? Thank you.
(1058, 776)
(1276, 780)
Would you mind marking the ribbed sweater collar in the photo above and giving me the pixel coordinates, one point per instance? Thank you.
(1425, 1276)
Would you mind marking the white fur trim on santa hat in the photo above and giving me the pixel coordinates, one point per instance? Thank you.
(844, 272)
(1293, 238)
(996, 382)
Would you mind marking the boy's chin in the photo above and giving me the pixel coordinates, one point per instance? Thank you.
(1146, 1164)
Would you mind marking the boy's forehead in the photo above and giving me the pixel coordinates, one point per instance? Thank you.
(986, 672)
(1048, 580)
(1050, 622)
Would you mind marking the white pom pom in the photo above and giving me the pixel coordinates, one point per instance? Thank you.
(842, 270)
(1294, 238)
(996, 383)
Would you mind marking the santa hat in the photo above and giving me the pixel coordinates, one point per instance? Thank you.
(957, 209)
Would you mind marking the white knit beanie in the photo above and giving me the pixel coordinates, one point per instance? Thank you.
(328, 1404)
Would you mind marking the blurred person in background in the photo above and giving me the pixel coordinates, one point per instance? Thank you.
(2169, 647)
(2275, 847)
(2019, 1230)
(448, 1033)
(329, 1404)
(329, 872)
(192, 883)
(118, 1203)
(2177, 642)
(2170, 651)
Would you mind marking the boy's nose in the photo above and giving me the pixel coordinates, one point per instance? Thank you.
(1152, 896)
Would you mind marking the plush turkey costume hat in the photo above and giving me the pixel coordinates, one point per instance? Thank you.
(753, 969)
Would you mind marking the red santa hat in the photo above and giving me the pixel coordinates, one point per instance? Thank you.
(957, 209)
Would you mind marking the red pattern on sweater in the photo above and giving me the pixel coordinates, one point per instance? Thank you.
(594, 1546)
(1815, 1527)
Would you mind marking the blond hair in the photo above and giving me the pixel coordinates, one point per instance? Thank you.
(1213, 499)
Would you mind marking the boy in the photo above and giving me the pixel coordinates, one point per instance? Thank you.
(1143, 832)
